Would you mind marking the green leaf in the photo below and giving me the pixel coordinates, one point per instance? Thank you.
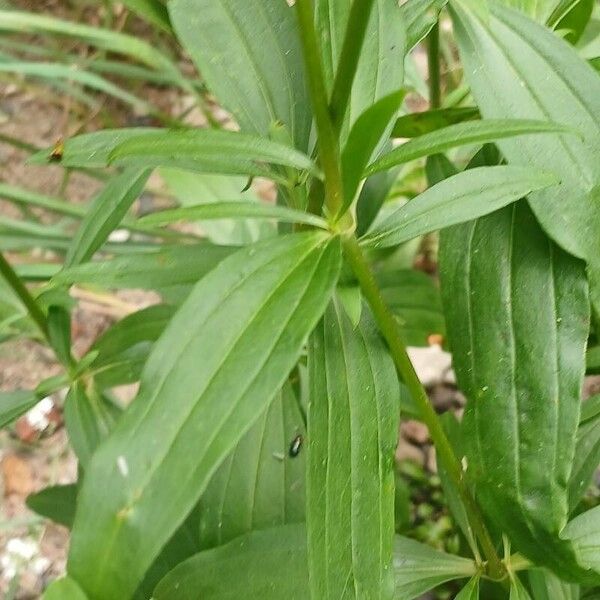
(193, 189)
(548, 81)
(249, 55)
(576, 20)
(587, 451)
(420, 123)
(64, 589)
(562, 9)
(56, 71)
(259, 485)
(123, 349)
(373, 194)
(462, 134)
(415, 301)
(459, 198)
(352, 433)
(267, 564)
(505, 282)
(59, 332)
(167, 267)
(470, 591)
(419, 17)
(183, 544)
(28, 198)
(233, 210)
(541, 10)
(105, 213)
(153, 11)
(209, 151)
(381, 66)
(91, 150)
(364, 139)
(15, 404)
(547, 586)
(454, 432)
(517, 590)
(256, 309)
(584, 533)
(89, 419)
(350, 298)
(419, 568)
(117, 43)
(56, 503)
(593, 359)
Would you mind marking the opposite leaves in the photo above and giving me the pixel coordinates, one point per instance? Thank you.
(213, 372)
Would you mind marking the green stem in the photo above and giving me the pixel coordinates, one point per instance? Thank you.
(391, 332)
(344, 77)
(329, 151)
(33, 308)
(433, 64)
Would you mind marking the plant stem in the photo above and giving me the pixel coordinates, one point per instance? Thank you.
(391, 332)
(433, 65)
(344, 77)
(23, 294)
(329, 151)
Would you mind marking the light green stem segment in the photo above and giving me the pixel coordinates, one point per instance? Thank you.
(433, 65)
(391, 332)
(329, 150)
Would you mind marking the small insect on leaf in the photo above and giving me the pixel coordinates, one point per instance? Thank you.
(295, 446)
(58, 151)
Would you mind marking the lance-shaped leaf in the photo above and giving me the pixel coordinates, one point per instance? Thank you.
(192, 189)
(203, 150)
(517, 590)
(380, 69)
(584, 533)
(124, 348)
(89, 419)
(462, 134)
(420, 123)
(419, 568)
(541, 10)
(106, 212)
(517, 314)
(547, 586)
(419, 17)
(268, 564)
(56, 502)
(14, 404)
(249, 55)
(57, 71)
(64, 589)
(365, 136)
(154, 11)
(218, 364)
(165, 267)
(587, 451)
(115, 42)
(261, 483)
(415, 301)
(352, 435)
(90, 149)
(470, 591)
(233, 210)
(548, 81)
(209, 151)
(459, 198)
